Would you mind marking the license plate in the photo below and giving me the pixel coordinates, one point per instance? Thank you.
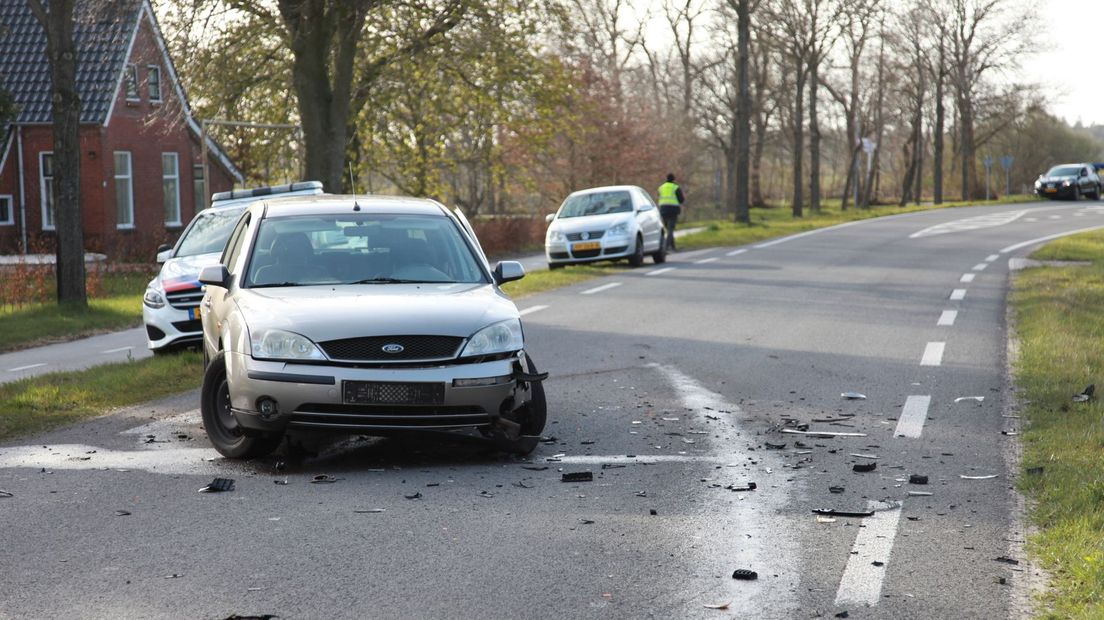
(381, 393)
(586, 245)
(195, 313)
(1051, 190)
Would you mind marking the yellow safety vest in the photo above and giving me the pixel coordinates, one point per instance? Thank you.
(668, 194)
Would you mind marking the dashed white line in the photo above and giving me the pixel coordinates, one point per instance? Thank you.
(736, 252)
(1054, 217)
(531, 310)
(991, 258)
(947, 318)
(913, 415)
(862, 580)
(119, 350)
(1031, 219)
(1078, 214)
(656, 272)
(967, 277)
(980, 266)
(27, 367)
(706, 260)
(599, 289)
(1024, 244)
(958, 294)
(933, 354)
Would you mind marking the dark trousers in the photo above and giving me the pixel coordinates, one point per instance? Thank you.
(670, 215)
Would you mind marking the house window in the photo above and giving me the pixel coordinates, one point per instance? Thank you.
(124, 191)
(132, 83)
(170, 184)
(199, 188)
(47, 189)
(7, 217)
(154, 81)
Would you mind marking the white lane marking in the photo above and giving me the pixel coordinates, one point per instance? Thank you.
(861, 583)
(991, 220)
(695, 396)
(599, 289)
(706, 260)
(947, 318)
(531, 310)
(958, 294)
(810, 232)
(736, 252)
(980, 266)
(1054, 217)
(967, 277)
(68, 456)
(27, 367)
(120, 349)
(933, 354)
(1024, 244)
(1031, 219)
(1079, 214)
(656, 272)
(595, 459)
(913, 415)
(991, 258)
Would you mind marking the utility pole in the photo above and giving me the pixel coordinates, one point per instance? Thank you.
(988, 161)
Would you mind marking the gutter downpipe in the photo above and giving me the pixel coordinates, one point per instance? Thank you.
(22, 194)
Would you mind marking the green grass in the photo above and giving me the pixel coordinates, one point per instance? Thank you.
(38, 404)
(1061, 331)
(544, 280)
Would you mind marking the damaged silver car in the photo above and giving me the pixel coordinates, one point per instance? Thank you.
(368, 315)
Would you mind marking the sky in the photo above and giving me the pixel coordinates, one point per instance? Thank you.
(1068, 68)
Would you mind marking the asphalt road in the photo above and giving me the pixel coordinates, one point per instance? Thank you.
(667, 383)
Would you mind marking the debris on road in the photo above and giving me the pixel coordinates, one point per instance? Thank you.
(612, 466)
(823, 519)
(653, 512)
(1085, 395)
(774, 446)
(920, 493)
(843, 614)
(577, 476)
(1006, 560)
(864, 456)
(586, 521)
(1010, 433)
(122, 513)
(368, 510)
(1031, 471)
(745, 574)
(863, 468)
(4, 493)
(173, 576)
(977, 398)
(522, 485)
(716, 605)
(415, 495)
(218, 485)
(791, 431)
(853, 396)
(832, 512)
(989, 477)
(324, 479)
(751, 486)
(283, 482)
(835, 489)
(535, 467)
(917, 479)
(877, 563)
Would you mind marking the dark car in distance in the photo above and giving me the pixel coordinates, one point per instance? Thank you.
(1070, 181)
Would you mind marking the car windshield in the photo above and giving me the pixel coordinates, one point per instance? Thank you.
(209, 232)
(361, 248)
(596, 203)
(1063, 171)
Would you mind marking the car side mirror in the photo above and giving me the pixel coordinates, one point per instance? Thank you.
(548, 218)
(506, 271)
(164, 251)
(217, 275)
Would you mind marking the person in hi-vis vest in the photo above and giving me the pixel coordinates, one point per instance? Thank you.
(670, 207)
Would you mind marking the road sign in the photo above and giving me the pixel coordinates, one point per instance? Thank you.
(869, 145)
(988, 161)
(1006, 161)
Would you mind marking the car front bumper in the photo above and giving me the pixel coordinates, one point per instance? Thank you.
(611, 248)
(312, 396)
(1055, 192)
(168, 326)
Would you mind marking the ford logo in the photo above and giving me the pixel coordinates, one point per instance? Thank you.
(393, 348)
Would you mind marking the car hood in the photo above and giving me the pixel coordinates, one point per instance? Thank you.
(183, 273)
(590, 222)
(324, 313)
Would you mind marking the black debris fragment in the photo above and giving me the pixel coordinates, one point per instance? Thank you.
(1032, 471)
(877, 563)
(917, 479)
(4, 493)
(1006, 560)
(218, 485)
(612, 466)
(577, 476)
(173, 576)
(417, 495)
(368, 510)
(324, 479)
(535, 467)
(745, 574)
(653, 512)
(1086, 394)
(260, 617)
(586, 521)
(864, 467)
(843, 614)
(831, 512)
(751, 486)
(835, 489)
(122, 513)
(774, 446)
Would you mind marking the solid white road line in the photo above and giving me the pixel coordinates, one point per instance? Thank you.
(643, 459)
(599, 289)
(980, 266)
(967, 277)
(736, 252)
(656, 272)
(27, 367)
(705, 260)
(1024, 244)
(947, 318)
(958, 294)
(913, 415)
(862, 580)
(1031, 219)
(120, 349)
(933, 354)
(531, 310)
(991, 258)
(807, 233)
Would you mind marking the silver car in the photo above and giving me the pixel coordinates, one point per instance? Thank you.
(606, 223)
(362, 315)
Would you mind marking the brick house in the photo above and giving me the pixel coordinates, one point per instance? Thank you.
(142, 178)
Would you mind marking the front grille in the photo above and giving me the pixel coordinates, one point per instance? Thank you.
(413, 348)
(184, 299)
(594, 234)
(189, 326)
(586, 253)
(559, 255)
(616, 250)
(385, 417)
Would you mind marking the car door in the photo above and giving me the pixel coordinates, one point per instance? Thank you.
(217, 301)
(648, 220)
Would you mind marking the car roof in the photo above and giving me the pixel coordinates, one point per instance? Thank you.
(607, 188)
(338, 204)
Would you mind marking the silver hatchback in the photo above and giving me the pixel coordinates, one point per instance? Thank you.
(362, 315)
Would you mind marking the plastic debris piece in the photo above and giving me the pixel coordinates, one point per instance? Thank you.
(122, 513)
(823, 519)
(586, 521)
(486, 494)
(864, 467)
(612, 466)
(835, 489)
(218, 485)
(989, 477)
(415, 495)
(843, 614)
(917, 479)
(577, 476)
(832, 512)
(535, 467)
(324, 479)
(748, 487)
(716, 605)
(522, 485)
(1006, 560)
(1085, 395)
(853, 396)
(281, 482)
(368, 510)
(977, 398)
(1035, 471)
(774, 446)
(653, 512)
(745, 574)
(4, 493)
(1010, 433)
(920, 493)
(877, 563)
(864, 456)
(173, 576)
(642, 494)
(792, 431)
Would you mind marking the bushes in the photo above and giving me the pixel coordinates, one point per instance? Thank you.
(510, 235)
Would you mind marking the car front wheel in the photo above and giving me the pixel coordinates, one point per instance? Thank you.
(1095, 195)
(226, 435)
(660, 256)
(637, 258)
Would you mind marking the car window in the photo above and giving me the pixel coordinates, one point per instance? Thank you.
(361, 248)
(233, 248)
(644, 200)
(209, 232)
(597, 203)
(1062, 171)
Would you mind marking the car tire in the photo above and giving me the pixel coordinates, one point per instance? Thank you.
(224, 432)
(1096, 193)
(637, 258)
(1076, 193)
(660, 256)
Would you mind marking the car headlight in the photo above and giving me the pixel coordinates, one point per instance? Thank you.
(1038, 183)
(283, 345)
(1065, 183)
(501, 337)
(555, 236)
(619, 230)
(153, 298)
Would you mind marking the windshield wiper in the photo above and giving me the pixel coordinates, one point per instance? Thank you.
(276, 284)
(381, 280)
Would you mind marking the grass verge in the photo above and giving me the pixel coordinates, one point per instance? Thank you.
(1060, 329)
(544, 280)
(38, 404)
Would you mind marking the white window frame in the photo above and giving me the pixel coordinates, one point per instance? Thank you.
(47, 216)
(132, 78)
(10, 221)
(175, 177)
(150, 71)
(130, 189)
(199, 188)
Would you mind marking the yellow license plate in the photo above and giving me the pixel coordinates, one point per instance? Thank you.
(1051, 190)
(586, 245)
(196, 313)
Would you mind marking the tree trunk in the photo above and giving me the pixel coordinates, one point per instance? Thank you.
(937, 147)
(743, 112)
(757, 163)
(879, 119)
(814, 137)
(798, 140)
(970, 186)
